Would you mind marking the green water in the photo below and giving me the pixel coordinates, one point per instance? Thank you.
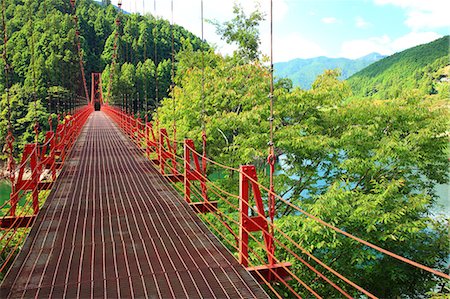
(442, 205)
(5, 190)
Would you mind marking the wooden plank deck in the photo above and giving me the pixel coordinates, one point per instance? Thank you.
(112, 227)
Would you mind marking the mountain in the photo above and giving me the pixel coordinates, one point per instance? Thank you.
(303, 72)
(422, 68)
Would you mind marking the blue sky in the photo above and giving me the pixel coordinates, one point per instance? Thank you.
(311, 28)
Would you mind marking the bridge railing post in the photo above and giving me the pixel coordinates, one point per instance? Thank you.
(147, 139)
(125, 122)
(122, 119)
(35, 177)
(136, 130)
(52, 156)
(195, 174)
(161, 155)
(130, 125)
(252, 224)
(187, 170)
(60, 143)
(29, 155)
(248, 181)
(48, 153)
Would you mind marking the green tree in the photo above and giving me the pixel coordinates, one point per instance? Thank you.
(243, 31)
(366, 166)
(146, 86)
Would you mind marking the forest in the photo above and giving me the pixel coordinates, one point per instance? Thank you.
(44, 63)
(418, 69)
(367, 164)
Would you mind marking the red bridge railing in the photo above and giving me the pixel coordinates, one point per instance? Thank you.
(256, 252)
(37, 171)
(162, 151)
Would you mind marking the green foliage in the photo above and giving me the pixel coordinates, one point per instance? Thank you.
(401, 73)
(366, 166)
(236, 106)
(24, 113)
(136, 46)
(51, 75)
(242, 30)
(50, 26)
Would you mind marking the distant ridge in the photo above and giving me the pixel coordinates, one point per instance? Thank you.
(303, 72)
(417, 68)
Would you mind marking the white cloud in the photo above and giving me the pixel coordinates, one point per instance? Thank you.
(187, 14)
(290, 46)
(384, 44)
(361, 23)
(423, 14)
(329, 20)
(358, 48)
(413, 39)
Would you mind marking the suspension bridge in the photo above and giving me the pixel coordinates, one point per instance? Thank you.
(127, 214)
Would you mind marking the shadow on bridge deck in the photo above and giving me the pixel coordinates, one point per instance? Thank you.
(112, 227)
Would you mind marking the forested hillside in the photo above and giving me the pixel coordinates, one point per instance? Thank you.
(303, 72)
(418, 70)
(51, 74)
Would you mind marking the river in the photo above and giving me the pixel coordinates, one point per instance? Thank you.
(441, 206)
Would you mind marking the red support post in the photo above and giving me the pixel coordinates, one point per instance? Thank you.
(52, 160)
(187, 170)
(61, 143)
(160, 151)
(196, 174)
(130, 125)
(30, 151)
(136, 131)
(35, 175)
(48, 159)
(255, 223)
(11, 169)
(249, 224)
(147, 138)
(166, 154)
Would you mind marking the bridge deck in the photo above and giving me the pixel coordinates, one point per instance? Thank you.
(112, 227)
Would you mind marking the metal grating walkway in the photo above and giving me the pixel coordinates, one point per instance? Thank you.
(112, 227)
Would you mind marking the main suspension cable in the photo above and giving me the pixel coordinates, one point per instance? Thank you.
(9, 136)
(6, 67)
(115, 51)
(271, 158)
(80, 52)
(155, 57)
(33, 71)
(145, 59)
(172, 88)
(203, 94)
